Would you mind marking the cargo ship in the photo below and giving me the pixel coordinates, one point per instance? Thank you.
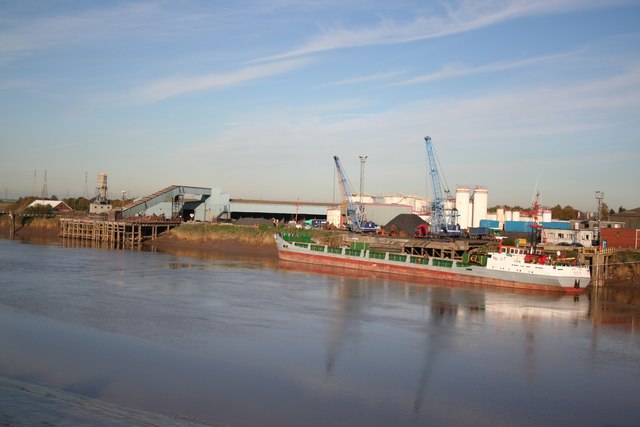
(512, 267)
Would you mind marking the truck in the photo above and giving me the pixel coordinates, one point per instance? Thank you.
(479, 232)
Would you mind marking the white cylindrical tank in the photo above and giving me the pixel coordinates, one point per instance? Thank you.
(364, 199)
(333, 216)
(546, 215)
(480, 203)
(516, 216)
(462, 205)
(508, 215)
(102, 179)
(417, 203)
(102, 188)
(392, 200)
(500, 215)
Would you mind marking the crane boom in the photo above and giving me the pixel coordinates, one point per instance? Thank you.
(443, 222)
(437, 204)
(352, 215)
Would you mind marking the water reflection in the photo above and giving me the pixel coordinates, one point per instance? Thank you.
(223, 337)
(209, 254)
(604, 306)
(615, 307)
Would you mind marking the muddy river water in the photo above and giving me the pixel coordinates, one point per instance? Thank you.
(93, 336)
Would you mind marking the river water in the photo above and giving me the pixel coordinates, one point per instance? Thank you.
(92, 336)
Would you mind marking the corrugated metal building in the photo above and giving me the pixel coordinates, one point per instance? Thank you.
(281, 210)
(630, 218)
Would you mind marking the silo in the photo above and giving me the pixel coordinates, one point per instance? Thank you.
(334, 217)
(516, 215)
(546, 215)
(462, 205)
(500, 215)
(480, 202)
(102, 188)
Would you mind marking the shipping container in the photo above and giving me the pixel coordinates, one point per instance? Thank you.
(556, 225)
(479, 232)
(622, 238)
(490, 223)
(518, 226)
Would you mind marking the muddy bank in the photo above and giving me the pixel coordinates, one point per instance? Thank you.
(38, 234)
(171, 241)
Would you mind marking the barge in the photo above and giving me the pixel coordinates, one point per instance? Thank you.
(509, 267)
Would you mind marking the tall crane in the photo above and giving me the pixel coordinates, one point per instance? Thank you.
(443, 220)
(353, 220)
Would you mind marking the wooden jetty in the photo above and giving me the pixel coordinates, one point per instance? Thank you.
(130, 232)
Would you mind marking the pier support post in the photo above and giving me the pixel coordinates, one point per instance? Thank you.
(12, 225)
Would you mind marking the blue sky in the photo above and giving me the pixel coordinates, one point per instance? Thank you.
(256, 97)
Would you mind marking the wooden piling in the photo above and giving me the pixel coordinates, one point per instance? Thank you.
(122, 233)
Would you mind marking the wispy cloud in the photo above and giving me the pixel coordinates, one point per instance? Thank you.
(456, 70)
(174, 86)
(24, 37)
(366, 79)
(465, 16)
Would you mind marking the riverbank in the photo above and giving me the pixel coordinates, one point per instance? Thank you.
(248, 241)
(239, 245)
(198, 237)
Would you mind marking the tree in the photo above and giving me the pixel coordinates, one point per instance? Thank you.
(621, 209)
(564, 214)
(39, 210)
(604, 212)
(80, 204)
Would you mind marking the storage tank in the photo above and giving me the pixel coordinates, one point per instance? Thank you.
(480, 202)
(515, 216)
(364, 199)
(462, 204)
(334, 217)
(508, 215)
(418, 204)
(101, 197)
(546, 215)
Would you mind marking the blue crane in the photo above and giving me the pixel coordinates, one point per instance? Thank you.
(443, 221)
(353, 219)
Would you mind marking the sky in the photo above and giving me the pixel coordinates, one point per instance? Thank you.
(256, 97)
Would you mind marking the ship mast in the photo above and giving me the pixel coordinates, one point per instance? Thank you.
(535, 227)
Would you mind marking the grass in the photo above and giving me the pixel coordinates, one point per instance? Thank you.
(213, 232)
(262, 235)
(42, 223)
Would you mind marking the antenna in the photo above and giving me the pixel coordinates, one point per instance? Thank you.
(86, 186)
(44, 186)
